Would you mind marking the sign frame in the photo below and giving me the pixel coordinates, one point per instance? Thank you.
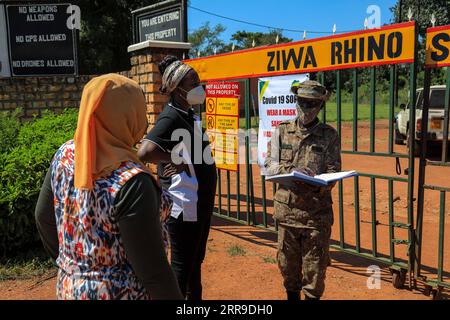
(5, 70)
(159, 8)
(74, 40)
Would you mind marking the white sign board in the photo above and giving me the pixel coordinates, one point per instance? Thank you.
(276, 104)
(4, 59)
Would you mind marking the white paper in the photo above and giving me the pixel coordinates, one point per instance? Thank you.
(183, 189)
(321, 179)
(335, 176)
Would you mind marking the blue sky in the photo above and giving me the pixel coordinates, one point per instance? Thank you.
(318, 15)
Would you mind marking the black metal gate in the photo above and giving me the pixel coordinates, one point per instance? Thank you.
(435, 277)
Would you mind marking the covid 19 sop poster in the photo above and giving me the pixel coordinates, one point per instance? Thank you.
(276, 104)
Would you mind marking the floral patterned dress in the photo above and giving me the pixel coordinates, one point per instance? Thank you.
(92, 261)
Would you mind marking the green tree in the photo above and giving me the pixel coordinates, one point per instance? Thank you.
(106, 33)
(422, 11)
(245, 39)
(206, 40)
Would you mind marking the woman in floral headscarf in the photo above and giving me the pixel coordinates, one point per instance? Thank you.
(98, 210)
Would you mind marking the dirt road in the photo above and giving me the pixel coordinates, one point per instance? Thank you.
(256, 276)
(374, 165)
(252, 276)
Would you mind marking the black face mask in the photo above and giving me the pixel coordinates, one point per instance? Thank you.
(307, 110)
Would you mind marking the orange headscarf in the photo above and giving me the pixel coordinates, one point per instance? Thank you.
(111, 120)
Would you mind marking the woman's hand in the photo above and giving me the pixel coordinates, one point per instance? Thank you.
(170, 169)
(166, 206)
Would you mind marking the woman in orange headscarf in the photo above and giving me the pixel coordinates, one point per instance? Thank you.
(98, 210)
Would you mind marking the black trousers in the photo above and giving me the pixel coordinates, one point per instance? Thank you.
(188, 247)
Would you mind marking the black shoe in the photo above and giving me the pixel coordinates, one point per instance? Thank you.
(194, 296)
(293, 295)
(309, 298)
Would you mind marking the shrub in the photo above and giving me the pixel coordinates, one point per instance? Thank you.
(9, 129)
(24, 165)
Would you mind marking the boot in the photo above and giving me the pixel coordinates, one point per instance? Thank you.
(293, 295)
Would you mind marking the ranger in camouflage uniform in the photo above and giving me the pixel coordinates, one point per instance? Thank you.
(303, 211)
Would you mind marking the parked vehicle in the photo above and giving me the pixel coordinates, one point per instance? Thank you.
(435, 120)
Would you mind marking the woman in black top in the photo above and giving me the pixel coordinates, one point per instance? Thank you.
(177, 134)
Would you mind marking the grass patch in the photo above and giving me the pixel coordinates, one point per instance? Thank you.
(269, 259)
(236, 250)
(381, 112)
(22, 270)
(29, 264)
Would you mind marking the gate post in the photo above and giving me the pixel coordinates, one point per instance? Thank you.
(422, 165)
(411, 158)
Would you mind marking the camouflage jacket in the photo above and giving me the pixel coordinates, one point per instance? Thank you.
(292, 148)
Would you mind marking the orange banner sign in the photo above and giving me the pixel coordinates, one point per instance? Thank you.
(438, 47)
(391, 44)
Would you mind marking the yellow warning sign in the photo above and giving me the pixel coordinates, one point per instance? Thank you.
(210, 122)
(226, 142)
(211, 105)
(227, 124)
(222, 122)
(228, 106)
(226, 160)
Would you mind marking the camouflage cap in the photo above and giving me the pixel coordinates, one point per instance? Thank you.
(310, 90)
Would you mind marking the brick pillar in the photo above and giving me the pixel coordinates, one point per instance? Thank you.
(145, 57)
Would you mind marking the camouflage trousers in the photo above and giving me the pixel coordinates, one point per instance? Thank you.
(303, 257)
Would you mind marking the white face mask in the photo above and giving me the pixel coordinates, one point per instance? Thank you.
(196, 96)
